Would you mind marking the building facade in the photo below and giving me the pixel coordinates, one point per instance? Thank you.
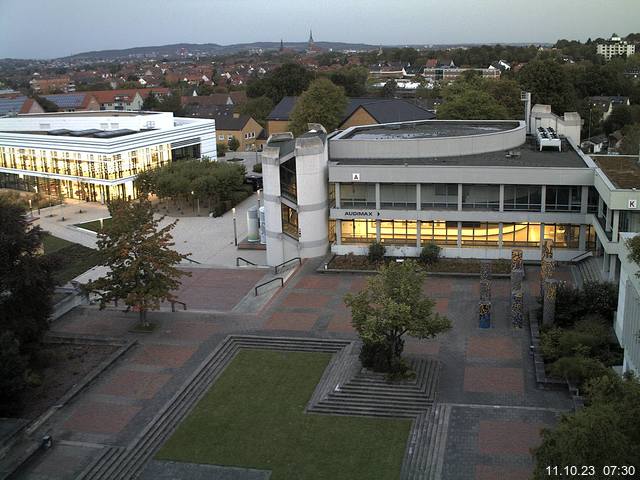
(96, 156)
(614, 47)
(477, 189)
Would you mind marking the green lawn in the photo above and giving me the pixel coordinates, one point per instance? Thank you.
(253, 417)
(94, 225)
(72, 259)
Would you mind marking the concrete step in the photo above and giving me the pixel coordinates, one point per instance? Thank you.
(365, 412)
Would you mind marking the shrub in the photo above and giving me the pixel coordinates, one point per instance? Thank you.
(257, 168)
(376, 252)
(589, 337)
(221, 149)
(430, 254)
(234, 144)
(573, 304)
(579, 369)
(600, 298)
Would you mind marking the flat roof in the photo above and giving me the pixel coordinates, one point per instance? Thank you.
(89, 133)
(429, 129)
(90, 113)
(623, 171)
(526, 155)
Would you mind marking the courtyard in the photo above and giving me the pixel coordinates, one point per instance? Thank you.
(252, 419)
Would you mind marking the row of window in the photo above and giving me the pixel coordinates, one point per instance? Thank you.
(444, 196)
(471, 234)
(105, 167)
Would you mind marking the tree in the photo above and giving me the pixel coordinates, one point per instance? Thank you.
(391, 305)
(322, 103)
(151, 103)
(549, 84)
(631, 139)
(620, 116)
(13, 367)
(472, 104)
(258, 108)
(289, 79)
(26, 281)
(142, 264)
(234, 144)
(222, 149)
(353, 79)
(389, 89)
(46, 104)
(606, 432)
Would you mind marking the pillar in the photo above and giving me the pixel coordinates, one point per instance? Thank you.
(418, 197)
(584, 200)
(501, 202)
(549, 302)
(582, 241)
(378, 197)
(543, 198)
(459, 197)
(336, 192)
(418, 228)
(338, 232)
(615, 226)
(613, 266)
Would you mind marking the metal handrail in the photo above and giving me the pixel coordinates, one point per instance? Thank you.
(192, 261)
(267, 283)
(275, 269)
(173, 305)
(582, 256)
(244, 260)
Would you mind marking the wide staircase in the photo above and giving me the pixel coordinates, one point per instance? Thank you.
(349, 389)
(589, 270)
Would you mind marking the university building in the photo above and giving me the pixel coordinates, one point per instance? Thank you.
(477, 189)
(95, 156)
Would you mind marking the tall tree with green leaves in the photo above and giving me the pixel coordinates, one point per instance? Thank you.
(322, 103)
(549, 84)
(289, 79)
(26, 281)
(390, 306)
(471, 104)
(141, 261)
(258, 109)
(606, 432)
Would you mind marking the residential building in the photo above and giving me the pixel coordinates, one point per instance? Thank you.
(359, 111)
(52, 85)
(606, 104)
(96, 156)
(74, 102)
(220, 99)
(450, 73)
(229, 124)
(14, 104)
(614, 47)
(127, 100)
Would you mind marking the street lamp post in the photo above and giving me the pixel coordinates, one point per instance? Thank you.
(30, 208)
(235, 229)
(259, 195)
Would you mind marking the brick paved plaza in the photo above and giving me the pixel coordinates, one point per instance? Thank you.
(486, 375)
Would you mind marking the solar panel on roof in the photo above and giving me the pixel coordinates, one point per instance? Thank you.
(9, 105)
(66, 100)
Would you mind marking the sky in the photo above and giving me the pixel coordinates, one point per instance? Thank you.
(55, 28)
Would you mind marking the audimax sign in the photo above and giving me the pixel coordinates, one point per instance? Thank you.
(361, 213)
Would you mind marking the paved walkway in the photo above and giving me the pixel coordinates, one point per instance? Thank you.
(486, 379)
(209, 240)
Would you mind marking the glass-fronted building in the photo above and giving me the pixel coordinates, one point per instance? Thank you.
(95, 156)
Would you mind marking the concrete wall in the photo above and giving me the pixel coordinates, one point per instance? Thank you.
(270, 159)
(342, 147)
(311, 177)
(568, 125)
